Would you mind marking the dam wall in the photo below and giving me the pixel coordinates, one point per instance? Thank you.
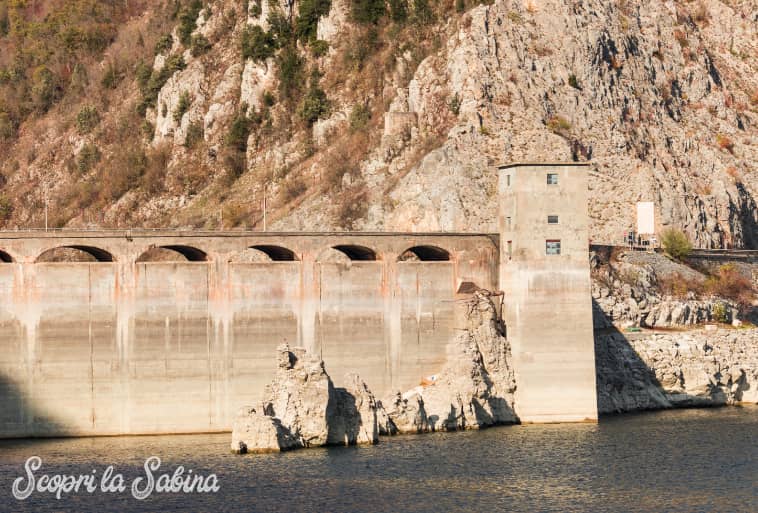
(119, 345)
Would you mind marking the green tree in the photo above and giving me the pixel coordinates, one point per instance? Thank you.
(44, 88)
(398, 10)
(368, 11)
(315, 104)
(6, 209)
(188, 21)
(87, 119)
(290, 66)
(257, 44)
(185, 101)
(310, 12)
(676, 244)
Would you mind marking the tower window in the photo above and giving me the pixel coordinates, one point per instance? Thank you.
(508, 180)
(508, 223)
(552, 219)
(552, 247)
(510, 249)
(552, 178)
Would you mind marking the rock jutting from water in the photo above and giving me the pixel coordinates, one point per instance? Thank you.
(476, 386)
(302, 407)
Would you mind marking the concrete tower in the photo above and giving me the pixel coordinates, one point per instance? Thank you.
(544, 273)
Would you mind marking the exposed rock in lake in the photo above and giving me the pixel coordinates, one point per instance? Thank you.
(475, 388)
(681, 369)
(302, 408)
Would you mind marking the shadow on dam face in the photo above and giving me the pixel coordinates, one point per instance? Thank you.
(20, 417)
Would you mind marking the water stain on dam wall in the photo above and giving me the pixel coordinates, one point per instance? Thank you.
(127, 346)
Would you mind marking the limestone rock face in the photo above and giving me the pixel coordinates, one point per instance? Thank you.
(406, 414)
(474, 389)
(628, 293)
(300, 396)
(696, 368)
(302, 408)
(255, 432)
(353, 420)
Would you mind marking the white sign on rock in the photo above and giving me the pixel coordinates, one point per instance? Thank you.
(645, 217)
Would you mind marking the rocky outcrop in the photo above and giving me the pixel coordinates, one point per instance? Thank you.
(475, 388)
(302, 408)
(694, 368)
(628, 292)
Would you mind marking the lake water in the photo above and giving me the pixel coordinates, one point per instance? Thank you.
(686, 460)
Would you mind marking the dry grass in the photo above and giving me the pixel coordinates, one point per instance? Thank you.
(681, 38)
(728, 283)
(734, 173)
(725, 143)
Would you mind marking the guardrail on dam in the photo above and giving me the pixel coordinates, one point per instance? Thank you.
(121, 345)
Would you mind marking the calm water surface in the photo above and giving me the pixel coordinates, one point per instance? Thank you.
(694, 460)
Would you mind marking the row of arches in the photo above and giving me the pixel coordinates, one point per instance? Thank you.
(257, 253)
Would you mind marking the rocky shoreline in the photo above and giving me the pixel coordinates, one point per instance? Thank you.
(678, 369)
(635, 371)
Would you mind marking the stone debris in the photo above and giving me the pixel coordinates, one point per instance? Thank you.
(694, 368)
(627, 293)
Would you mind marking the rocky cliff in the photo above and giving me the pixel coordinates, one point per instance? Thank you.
(657, 371)
(366, 115)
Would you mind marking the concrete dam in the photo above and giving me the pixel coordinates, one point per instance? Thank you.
(123, 342)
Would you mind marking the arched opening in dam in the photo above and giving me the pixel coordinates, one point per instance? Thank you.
(75, 254)
(173, 253)
(356, 252)
(424, 254)
(5, 258)
(276, 253)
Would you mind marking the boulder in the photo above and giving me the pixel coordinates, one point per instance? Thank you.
(256, 432)
(680, 369)
(302, 408)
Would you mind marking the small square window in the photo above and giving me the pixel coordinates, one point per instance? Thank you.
(552, 219)
(552, 178)
(552, 247)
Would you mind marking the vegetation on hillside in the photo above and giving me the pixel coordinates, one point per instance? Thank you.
(676, 244)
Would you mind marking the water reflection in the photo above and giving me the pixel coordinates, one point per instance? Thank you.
(695, 460)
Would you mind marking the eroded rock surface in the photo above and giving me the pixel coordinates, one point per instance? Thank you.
(474, 389)
(695, 368)
(302, 408)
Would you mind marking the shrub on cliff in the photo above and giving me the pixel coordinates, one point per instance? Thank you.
(368, 11)
(188, 21)
(185, 102)
(257, 44)
(676, 244)
(728, 283)
(315, 104)
(200, 45)
(87, 119)
(310, 12)
(6, 209)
